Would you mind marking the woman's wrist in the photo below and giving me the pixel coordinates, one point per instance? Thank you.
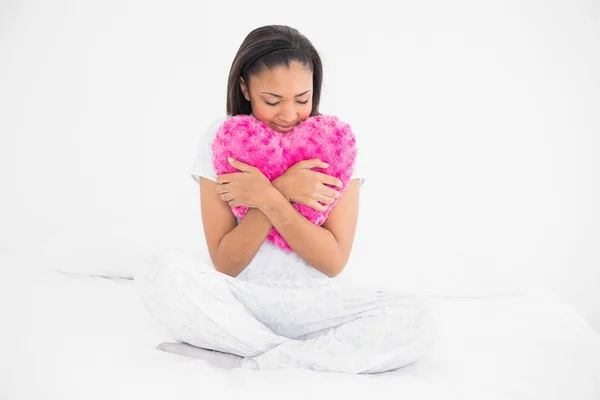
(278, 184)
(274, 200)
(260, 215)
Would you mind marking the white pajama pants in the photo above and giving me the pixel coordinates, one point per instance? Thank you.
(320, 328)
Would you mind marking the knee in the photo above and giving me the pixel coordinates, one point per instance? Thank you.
(413, 319)
(150, 280)
(167, 286)
(162, 266)
(165, 276)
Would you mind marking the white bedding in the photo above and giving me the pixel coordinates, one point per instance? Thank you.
(69, 336)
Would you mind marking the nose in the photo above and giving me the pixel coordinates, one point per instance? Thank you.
(288, 114)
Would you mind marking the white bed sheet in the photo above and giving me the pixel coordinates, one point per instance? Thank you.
(78, 337)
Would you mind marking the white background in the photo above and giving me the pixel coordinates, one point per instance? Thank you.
(478, 122)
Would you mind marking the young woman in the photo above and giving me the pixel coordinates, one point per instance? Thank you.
(264, 307)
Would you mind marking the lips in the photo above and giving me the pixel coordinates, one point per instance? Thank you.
(282, 128)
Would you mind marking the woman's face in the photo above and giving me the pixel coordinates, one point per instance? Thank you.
(280, 97)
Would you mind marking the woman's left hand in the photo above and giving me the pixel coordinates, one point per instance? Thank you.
(250, 187)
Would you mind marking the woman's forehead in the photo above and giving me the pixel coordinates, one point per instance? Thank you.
(285, 78)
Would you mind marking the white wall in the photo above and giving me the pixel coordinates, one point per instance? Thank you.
(479, 122)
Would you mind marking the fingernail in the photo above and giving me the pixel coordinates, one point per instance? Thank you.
(229, 159)
(326, 165)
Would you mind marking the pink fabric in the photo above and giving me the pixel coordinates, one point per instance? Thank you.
(253, 142)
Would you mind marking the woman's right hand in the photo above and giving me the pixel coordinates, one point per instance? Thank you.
(299, 184)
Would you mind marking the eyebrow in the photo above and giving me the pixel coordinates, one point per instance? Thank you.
(281, 97)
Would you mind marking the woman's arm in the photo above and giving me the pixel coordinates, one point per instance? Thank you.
(327, 247)
(231, 247)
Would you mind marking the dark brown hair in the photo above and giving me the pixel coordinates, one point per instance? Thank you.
(271, 46)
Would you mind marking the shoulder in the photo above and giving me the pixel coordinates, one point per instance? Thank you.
(203, 163)
(214, 126)
(210, 131)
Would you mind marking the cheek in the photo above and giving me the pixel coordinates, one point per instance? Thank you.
(263, 112)
(305, 113)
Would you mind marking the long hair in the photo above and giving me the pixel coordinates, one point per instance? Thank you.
(262, 49)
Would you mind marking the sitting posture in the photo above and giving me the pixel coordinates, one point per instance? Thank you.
(276, 168)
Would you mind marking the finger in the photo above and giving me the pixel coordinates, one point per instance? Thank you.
(329, 192)
(314, 163)
(325, 199)
(226, 178)
(226, 197)
(240, 165)
(331, 180)
(315, 205)
(223, 188)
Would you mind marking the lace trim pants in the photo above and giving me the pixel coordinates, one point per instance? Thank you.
(320, 328)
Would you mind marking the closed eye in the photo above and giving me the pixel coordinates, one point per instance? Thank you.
(274, 104)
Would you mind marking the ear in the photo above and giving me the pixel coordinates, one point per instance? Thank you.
(244, 88)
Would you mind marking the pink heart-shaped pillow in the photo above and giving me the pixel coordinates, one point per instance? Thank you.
(253, 142)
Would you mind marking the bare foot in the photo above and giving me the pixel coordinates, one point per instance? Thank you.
(216, 358)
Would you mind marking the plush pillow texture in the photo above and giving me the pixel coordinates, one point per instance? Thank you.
(251, 141)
